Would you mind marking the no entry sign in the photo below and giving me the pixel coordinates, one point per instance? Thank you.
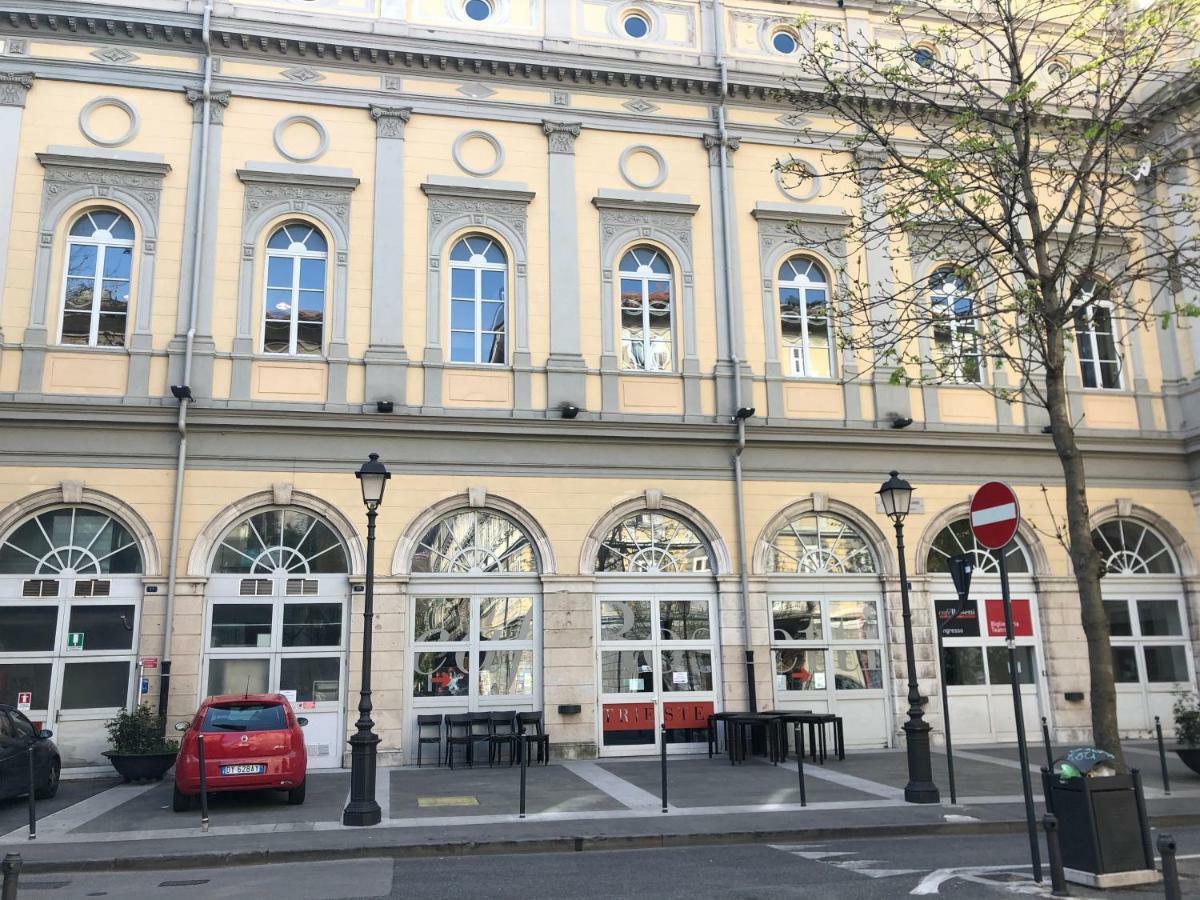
(995, 515)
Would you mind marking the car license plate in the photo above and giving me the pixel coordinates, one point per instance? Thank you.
(247, 769)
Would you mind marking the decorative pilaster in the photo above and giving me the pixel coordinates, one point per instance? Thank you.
(203, 347)
(566, 379)
(13, 91)
(386, 359)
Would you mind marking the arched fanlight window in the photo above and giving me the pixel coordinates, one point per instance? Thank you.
(955, 335)
(654, 542)
(818, 544)
(957, 538)
(96, 287)
(804, 317)
(1130, 548)
(294, 309)
(478, 300)
(475, 542)
(281, 541)
(72, 540)
(646, 310)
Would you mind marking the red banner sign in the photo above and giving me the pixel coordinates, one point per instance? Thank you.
(1022, 618)
(628, 716)
(687, 714)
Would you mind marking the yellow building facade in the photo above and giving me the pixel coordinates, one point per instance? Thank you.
(532, 254)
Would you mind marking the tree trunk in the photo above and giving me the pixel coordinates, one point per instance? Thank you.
(1085, 560)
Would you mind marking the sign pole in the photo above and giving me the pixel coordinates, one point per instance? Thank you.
(1026, 786)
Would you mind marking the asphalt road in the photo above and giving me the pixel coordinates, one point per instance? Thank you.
(959, 867)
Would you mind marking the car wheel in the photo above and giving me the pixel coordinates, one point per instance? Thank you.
(50, 788)
(296, 794)
(181, 801)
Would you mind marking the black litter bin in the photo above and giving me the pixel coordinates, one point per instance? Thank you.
(1101, 815)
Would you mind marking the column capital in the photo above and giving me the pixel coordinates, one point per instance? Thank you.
(562, 135)
(390, 121)
(218, 101)
(712, 143)
(14, 87)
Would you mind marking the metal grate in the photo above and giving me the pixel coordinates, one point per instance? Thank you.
(302, 587)
(39, 587)
(257, 587)
(94, 587)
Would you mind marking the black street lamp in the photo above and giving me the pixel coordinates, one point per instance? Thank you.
(362, 808)
(896, 497)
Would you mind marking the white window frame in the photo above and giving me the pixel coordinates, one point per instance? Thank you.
(826, 644)
(1131, 593)
(98, 278)
(1095, 362)
(644, 275)
(296, 257)
(800, 365)
(961, 328)
(477, 265)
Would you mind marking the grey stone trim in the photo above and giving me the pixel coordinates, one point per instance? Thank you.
(218, 101)
(273, 192)
(14, 88)
(786, 230)
(386, 359)
(73, 176)
(458, 205)
(566, 378)
(627, 219)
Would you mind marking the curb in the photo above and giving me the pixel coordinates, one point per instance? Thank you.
(566, 844)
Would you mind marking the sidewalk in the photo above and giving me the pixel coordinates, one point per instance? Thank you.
(576, 805)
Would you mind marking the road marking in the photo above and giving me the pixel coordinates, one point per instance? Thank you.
(932, 883)
(624, 792)
(862, 785)
(830, 857)
(994, 760)
(83, 812)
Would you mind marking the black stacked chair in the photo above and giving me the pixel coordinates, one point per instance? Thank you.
(429, 731)
(534, 726)
(479, 732)
(503, 734)
(458, 734)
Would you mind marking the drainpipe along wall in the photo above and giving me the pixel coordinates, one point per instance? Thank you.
(731, 323)
(189, 345)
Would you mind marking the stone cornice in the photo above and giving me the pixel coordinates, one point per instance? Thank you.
(123, 163)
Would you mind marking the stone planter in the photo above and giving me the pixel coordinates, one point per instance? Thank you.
(1190, 757)
(142, 766)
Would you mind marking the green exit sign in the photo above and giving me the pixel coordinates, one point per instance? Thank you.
(74, 640)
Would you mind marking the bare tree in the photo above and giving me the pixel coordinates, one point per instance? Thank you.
(1035, 149)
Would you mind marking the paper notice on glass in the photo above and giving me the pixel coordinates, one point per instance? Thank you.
(781, 682)
(679, 677)
(290, 695)
(635, 684)
(818, 681)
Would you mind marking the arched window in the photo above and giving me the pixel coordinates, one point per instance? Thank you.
(294, 310)
(1130, 548)
(478, 301)
(804, 317)
(280, 541)
(957, 538)
(647, 305)
(955, 335)
(475, 542)
(653, 542)
(96, 287)
(819, 544)
(71, 540)
(1096, 339)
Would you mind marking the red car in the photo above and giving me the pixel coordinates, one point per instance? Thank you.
(251, 742)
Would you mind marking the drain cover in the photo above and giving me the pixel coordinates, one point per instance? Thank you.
(447, 801)
(43, 885)
(193, 883)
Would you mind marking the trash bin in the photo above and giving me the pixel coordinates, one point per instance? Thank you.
(1101, 814)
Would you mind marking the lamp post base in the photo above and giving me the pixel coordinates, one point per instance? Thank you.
(921, 792)
(362, 813)
(920, 787)
(362, 808)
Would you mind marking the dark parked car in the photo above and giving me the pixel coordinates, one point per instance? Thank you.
(17, 735)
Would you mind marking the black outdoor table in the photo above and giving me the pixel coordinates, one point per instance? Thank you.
(816, 723)
(714, 738)
(786, 717)
(741, 725)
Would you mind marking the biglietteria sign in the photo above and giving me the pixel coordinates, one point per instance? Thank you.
(995, 515)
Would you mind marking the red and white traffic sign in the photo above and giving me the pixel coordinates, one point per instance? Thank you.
(995, 514)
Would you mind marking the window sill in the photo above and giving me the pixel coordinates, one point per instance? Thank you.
(83, 348)
(651, 373)
(810, 379)
(291, 357)
(482, 367)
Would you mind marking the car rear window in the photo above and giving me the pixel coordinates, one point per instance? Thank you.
(245, 717)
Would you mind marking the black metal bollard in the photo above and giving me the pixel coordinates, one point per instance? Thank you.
(1058, 878)
(32, 800)
(663, 756)
(203, 785)
(1170, 871)
(798, 737)
(1162, 756)
(1046, 744)
(524, 766)
(12, 872)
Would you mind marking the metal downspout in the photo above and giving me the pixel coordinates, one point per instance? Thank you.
(731, 323)
(189, 345)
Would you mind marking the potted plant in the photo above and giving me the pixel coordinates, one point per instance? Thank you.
(1187, 730)
(140, 751)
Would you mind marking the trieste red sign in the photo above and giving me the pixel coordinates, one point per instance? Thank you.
(628, 716)
(994, 515)
(687, 714)
(1022, 614)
